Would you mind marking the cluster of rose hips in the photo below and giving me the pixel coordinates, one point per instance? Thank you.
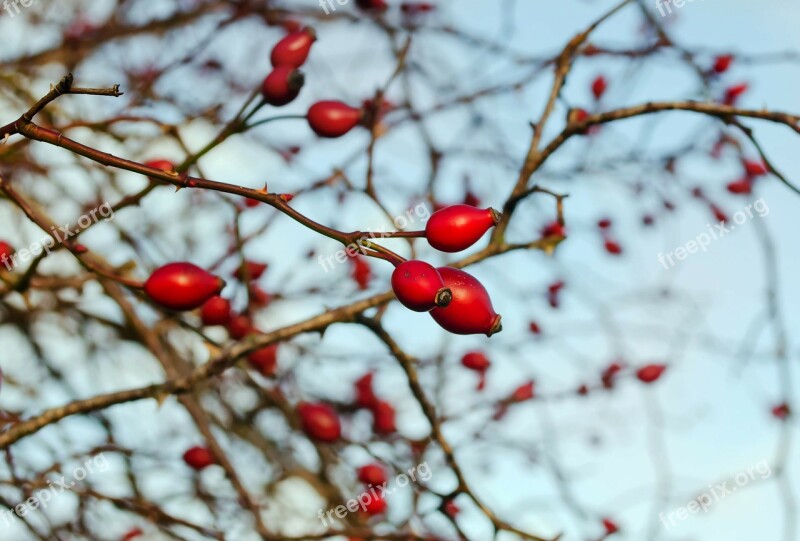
(456, 300)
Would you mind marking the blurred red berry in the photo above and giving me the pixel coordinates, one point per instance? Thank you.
(199, 458)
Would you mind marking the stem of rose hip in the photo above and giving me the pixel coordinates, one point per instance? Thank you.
(270, 119)
(403, 235)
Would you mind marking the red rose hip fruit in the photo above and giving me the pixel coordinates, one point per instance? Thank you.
(319, 421)
(198, 458)
(265, 360)
(650, 373)
(458, 227)
(470, 311)
(182, 286)
(282, 85)
(216, 311)
(293, 49)
(333, 118)
(372, 474)
(419, 287)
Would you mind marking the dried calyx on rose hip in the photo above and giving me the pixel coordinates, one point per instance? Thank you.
(419, 287)
(182, 286)
(333, 118)
(457, 227)
(470, 311)
(282, 85)
(293, 49)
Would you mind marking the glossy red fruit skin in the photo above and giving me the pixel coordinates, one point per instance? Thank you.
(164, 165)
(599, 87)
(265, 360)
(293, 49)
(319, 421)
(372, 474)
(383, 418)
(470, 311)
(333, 118)
(419, 287)
(182, 286)
(282, 85)
(240, 326)
(722, 63)
(740, 187)
(376, 506)
(523, 392)
(650, 373)
(365, 395)
(198, 458)
(216, 311)
(458, 227)
(476, 360)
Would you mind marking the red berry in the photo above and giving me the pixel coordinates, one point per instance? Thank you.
(361, 272)
(376, 505)
(216, 311)
(599, 87)
(199, 458)
(458, 227)
(523, 392)
(583, 390)
(719, 214)
(608, 375)
(604, 223)
(164, 165)
(470, 311)
(319, 421)
(612, 247)
(553, 229)
(383, 417)
(476, 360)
(333, 118)
(6, 251)
(741, 187)
(132, 534)
(722, 63)
(419, 287)
(648, 220)
(534, 328)
(733, 93)
(265, 360)
(365, 396)
(293, 49)
(182, 286)
(254, 270)
(282, 85)
(755, 168)
(240, 326)
(450, 508)
(650, 373)
(781, 411)
(610, 526)
(258, 296)
(372, 474)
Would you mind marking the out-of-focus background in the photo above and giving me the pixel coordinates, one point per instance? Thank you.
(456, 126)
